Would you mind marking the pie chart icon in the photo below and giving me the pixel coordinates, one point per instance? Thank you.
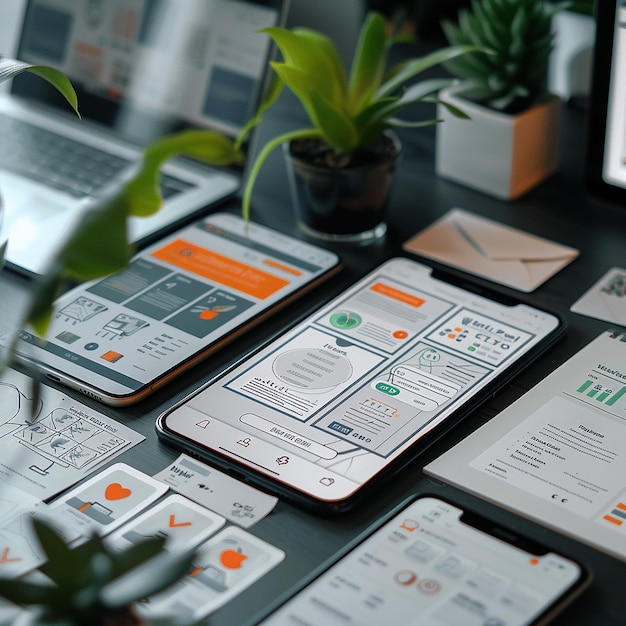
(345, 320)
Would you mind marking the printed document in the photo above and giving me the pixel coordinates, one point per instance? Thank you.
(558, 454)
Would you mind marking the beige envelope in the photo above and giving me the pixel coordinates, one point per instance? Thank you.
(486, 248)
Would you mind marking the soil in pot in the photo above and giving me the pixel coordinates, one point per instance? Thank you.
(343, 197)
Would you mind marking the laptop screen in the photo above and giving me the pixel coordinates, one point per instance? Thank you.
(147, 67)
(606, 132)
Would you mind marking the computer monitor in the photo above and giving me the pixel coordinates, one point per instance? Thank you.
(606, 130)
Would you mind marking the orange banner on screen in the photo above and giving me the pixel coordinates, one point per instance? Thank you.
(223, 269)
(283, 267)
(396, 294)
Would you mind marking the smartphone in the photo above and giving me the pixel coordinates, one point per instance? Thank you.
(358, 388)
(433, 563)
(120, 338)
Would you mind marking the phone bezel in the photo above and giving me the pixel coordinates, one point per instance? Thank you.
(32, 354)
(557, 605)
(325, 507)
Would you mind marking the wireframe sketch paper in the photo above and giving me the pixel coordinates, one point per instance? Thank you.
(558, 454)
(65, 441)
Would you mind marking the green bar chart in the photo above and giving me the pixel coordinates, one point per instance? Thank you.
(605, 393)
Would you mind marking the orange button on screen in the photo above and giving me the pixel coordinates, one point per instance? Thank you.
(396, 294)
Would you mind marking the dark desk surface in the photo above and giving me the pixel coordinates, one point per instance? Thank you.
(558, 210)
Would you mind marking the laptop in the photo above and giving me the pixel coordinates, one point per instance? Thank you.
(141, 69)
(605, 158)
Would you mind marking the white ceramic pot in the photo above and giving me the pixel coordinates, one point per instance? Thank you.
(499, 154)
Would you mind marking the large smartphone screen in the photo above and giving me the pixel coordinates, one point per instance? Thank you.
(427, 566)
(331, 403)
(120, 337)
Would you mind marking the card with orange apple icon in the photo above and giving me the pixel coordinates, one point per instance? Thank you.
(106, 501)
(223, 567)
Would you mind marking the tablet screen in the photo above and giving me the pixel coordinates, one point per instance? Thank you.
(175, 302)
(428, 567)
(334, 401)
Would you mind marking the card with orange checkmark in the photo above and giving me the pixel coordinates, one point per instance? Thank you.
(109, 499)
(182, 522)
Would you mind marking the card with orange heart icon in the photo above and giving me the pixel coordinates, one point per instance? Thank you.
(109, 499)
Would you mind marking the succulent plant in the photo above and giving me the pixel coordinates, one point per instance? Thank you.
(511, 73)
(92, 584)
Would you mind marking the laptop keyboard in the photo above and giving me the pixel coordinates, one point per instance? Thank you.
(62, 163)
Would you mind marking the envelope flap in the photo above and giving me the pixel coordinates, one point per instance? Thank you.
(499, 242)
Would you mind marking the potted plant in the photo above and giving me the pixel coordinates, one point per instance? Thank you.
(503, 89)
(342, 165)
(93, 584)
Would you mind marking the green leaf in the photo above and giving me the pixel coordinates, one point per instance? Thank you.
(489, 37)
(147, 579)
(47, 288)
(274, 91)
(420, 90)
(331, 120)
(368, 65)
(61, 564)
(315, 56)
(412, 68)
(337, 128)
(297, 80)
(376, 115)
(11, 67)
(142, 194)
(267, 149)
(26, 593)
(373, 111)
(207, 146)
(452, 33)
(324, 46)
(454, 110)
(394, 122)
(137, 554)
(99, 244)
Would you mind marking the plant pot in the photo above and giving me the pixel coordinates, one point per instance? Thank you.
(342, 204)
(499, 154)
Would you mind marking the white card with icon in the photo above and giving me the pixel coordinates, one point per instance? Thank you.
(223, 567)
(182, 522)
(237, 502)
(606, 300)
(19, 549)
(109, 499)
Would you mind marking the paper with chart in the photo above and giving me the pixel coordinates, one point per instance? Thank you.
(558, 454)
(64, 442)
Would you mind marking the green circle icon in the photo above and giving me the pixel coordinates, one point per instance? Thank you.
(345, 320)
